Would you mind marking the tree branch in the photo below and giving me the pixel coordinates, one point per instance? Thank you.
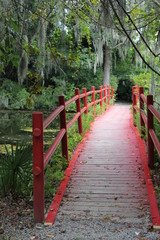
(133, 44)
(136, 29)
(157, 3)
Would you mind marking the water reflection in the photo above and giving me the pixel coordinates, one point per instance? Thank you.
(17, 126)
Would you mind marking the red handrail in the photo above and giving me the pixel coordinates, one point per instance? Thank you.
(40, 160)
(147, 121)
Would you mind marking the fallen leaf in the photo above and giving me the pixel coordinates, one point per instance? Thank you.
(38, 227)
(105, 217)
(129, 225)
(139, 227)
(150, 228)
(33, 237)
(76, 196)
(50, 236)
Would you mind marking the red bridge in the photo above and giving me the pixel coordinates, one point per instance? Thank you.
(108, 175)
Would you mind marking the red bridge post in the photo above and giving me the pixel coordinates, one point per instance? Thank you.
(149, 127)
(101, 102)
(38, 167)
(105, 94)
(134, 102)
(108, 94)
(141, 104)
(63, 125)
(112, 91)
(93, 99)
(78, 107)
(85, 100)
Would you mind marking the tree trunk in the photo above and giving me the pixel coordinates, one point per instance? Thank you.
(107, 66)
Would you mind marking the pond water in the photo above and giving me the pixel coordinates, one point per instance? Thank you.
(17, 126)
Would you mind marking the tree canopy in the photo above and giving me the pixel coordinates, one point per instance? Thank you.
(46, 42)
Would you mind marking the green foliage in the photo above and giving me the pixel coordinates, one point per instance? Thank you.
(143, 79)
(15, 94)
(45, 100)
(20, 101)
(114, 82)
(16, 170)
(54, 173)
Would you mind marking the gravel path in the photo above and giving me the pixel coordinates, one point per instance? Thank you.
(73, 228)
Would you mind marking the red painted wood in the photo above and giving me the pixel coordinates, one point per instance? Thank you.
(149, 127)
(60, 192)
(134, 100)
(63, 125)
(150, 188)
(105, 94)
(93, 99)
(112, 92)
(53, 146)
(108, 94)
(85, 100)
(52, 116)
(155, 140)
(108, 176)
(78, 107)
(73, 120)
(141, 103)
(144, 98)
(154, 112)
(73, 99)
(101, 94)
(38, 167)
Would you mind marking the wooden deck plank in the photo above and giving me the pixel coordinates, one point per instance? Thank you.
(108, 177)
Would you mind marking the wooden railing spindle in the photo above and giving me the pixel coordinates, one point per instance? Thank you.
(78, 107)
(112, 93)
(101, 94)
(134, 102)
(85, 101)
(108, 94)
(105, 94)
(93, 99)
(63, 125)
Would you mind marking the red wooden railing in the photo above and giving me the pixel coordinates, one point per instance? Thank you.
(147, 120)
(40, 160)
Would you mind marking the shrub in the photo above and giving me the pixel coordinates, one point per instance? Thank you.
(16, 169)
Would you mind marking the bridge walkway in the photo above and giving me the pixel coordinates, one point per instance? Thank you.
(107, 181)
